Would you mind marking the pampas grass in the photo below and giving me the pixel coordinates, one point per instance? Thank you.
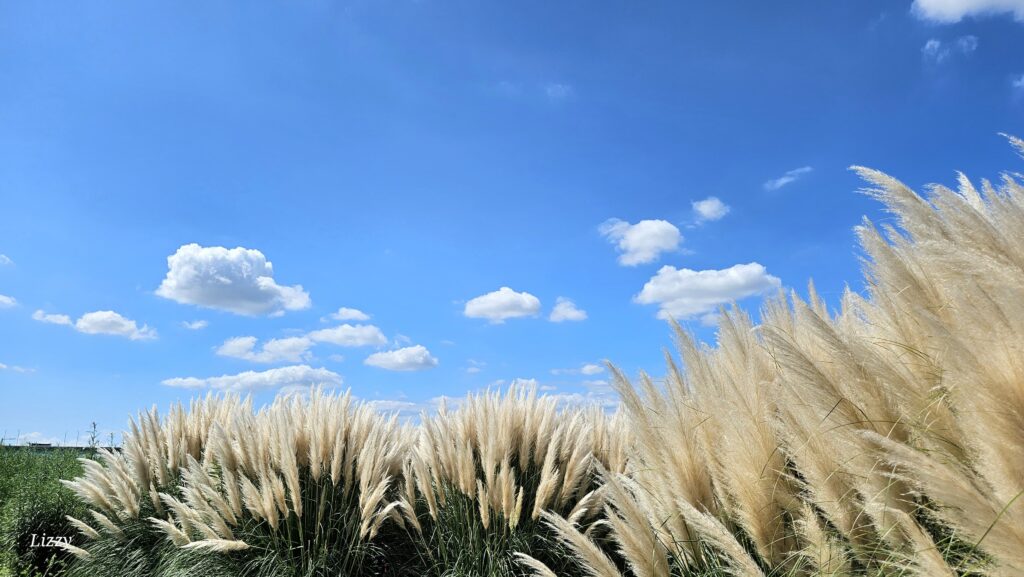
(486, 472)
(881, 438)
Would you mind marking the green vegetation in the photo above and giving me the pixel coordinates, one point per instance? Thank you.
(33, 509)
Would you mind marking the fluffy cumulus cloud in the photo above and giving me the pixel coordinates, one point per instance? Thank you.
(642, 242)
(347, 314)
(414, 358)
(53, 319)
(297, 349)
(195, 325)
(238, 280)
(685, 293)
(347, 335)
(709, 209)
(111, 323)
(949, 11)
(293, 376)
(7, 302)
(565, 310)
(502, 304)
(100, 323)
(291, 349)
(791, 176)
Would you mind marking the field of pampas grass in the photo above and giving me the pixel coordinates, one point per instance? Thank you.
(884, 438)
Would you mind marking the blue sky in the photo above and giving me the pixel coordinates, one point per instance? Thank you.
(408, 160)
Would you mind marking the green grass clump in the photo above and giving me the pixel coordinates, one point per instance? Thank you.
(34, 506)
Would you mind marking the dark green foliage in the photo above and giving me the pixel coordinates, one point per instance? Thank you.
(34, 506)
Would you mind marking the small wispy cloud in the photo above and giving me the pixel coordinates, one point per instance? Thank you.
(7, 302)
(558, 91)
(111, 323)
(1017, 82)
(566, 310)
(292, 376)
(5, 260)
(935, 51)
(588, 369)
(967, 44)
(347, 314)
(53, 319)
(15, 368)
(290, 349)
(709, 209)
(414, 358)
(195, 325)
(100, 323)
(791, 176)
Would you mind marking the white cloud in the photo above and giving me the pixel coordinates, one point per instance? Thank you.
(7, 302)
(586, 369)
(709, 209)
(642, 242)
(1018, 82)
(949, 11)
(936, 52)
(293, 376)
(475, 366)
(710, 319)
(685, 293)
(502, 304)
(336, 358)
(565, 310)
(15, 368)
(111, 323)
(967, 44)
(195, 325)
(100, 323)
(297, 349)
(291, 349)
(347, 335)
(415, 358)
(789, 177)
(558, 91)
(53, 319)
(5, 260)
(238, 280)
(347, 314)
